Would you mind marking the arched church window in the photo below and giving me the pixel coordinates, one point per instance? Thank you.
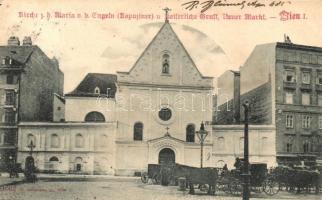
(190, 133)
(79, 141)
(53, 159)
(94, 117)
(54, 141)
(138, 131)
(165, 64)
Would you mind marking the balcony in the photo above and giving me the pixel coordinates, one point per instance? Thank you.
(290, 85)
(306, 87)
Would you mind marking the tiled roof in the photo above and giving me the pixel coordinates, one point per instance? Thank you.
(17, 53)
(105, 82)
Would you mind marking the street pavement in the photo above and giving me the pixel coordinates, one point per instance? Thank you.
(77, 187)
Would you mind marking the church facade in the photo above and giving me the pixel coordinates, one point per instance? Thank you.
(119, 123)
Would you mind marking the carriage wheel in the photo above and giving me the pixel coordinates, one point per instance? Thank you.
(144, 177)
(222, 187)
(236, 188)
(203, 187)
(271, 187)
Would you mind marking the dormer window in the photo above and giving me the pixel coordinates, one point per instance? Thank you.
(97, 90)
(165, 64)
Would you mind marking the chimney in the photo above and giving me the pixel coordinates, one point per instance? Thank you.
(13, 41)
(27, 41)
(237, 97)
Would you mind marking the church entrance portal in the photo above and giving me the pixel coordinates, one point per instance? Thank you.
(167, 156)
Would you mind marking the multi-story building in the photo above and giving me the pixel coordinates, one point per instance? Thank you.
(28, 81)
(283, 83)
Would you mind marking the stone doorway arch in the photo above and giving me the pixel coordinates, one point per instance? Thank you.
(167, 156)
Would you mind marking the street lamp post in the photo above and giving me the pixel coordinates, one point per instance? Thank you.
(246, 173)
(202, 134)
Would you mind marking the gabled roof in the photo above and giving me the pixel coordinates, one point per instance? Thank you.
(167, 136)
(17, 53)
(86, 88)
(166, 24)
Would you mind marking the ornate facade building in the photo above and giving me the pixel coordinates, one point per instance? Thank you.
(118, 124)
(283, 82)
(28, 82)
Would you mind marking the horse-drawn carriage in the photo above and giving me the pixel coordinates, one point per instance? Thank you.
(159, 174)
(169, 174)
(231, 181)
(298, 179)
(260, 180)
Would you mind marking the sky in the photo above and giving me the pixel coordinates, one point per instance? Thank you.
(84, 45)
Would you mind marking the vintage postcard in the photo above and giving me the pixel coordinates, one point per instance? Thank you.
(160, 99)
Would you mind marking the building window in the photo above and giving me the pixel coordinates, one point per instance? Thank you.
(320, 122)
(103, 140)
(2, 138)
(306, 121)
(53, 159)
(289, 121)
(10, 97)
(289, 97)
(7, 61)
(78, 164)
(79, 141)
(165, 114)
(306, 99)
(306, 146)
(320, 99)
(138, 131)
(290, 76)
(10, 79)
(306, 77)
(221, 143)
(54, 141)
(165, 64)
(319, 79)
(289, 144)
(289, 147)
(94, 117)
(31, 139)
(190, 133)
(97, 90)
(9, 117)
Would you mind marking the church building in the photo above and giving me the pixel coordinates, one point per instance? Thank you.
(119, 123)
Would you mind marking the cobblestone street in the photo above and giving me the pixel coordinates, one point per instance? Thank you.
(85, 188)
